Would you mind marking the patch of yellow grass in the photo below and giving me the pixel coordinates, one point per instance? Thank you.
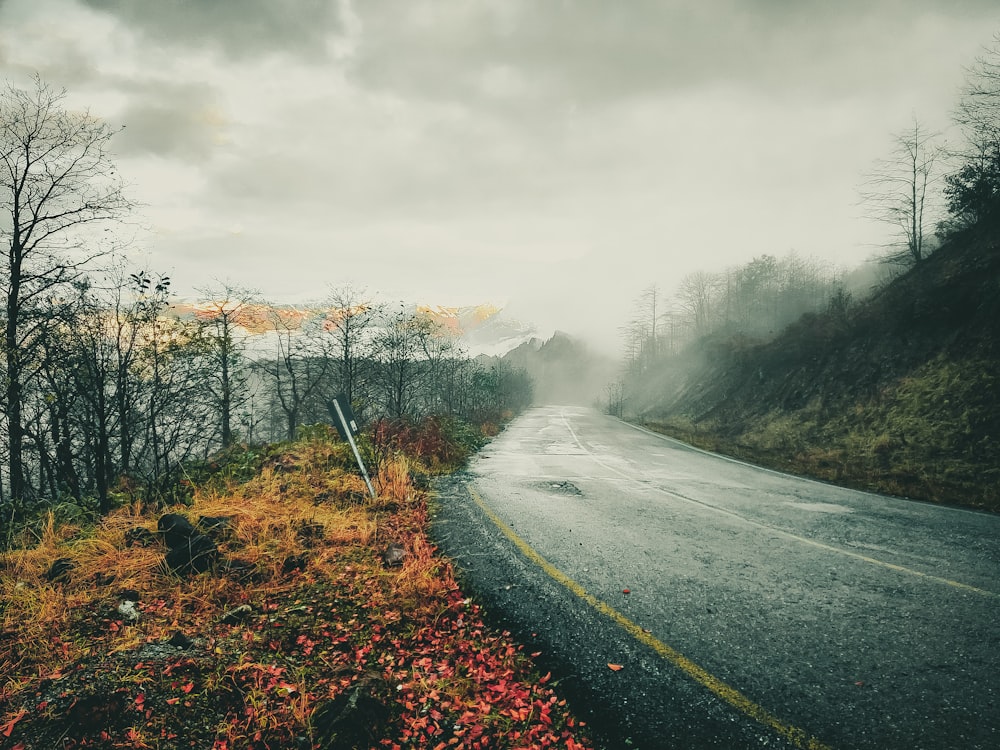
(393, 482)
(267, 515)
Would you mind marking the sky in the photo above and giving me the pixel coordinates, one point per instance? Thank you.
(551, 156)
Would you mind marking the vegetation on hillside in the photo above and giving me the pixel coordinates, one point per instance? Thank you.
(325, 621)
(895, 391)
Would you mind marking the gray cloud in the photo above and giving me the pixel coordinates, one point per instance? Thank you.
(239, 28)
(584, 52)
(177, 121)
(489, 147)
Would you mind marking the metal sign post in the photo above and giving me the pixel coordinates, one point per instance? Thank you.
(348, 428)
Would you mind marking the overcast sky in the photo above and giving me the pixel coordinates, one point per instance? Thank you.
(556, 156)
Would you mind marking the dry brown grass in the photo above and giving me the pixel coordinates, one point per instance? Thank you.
(267, 514)
(325, 614)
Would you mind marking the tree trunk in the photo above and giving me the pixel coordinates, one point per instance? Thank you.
(227, 431)
(15, 428)
(62, 440)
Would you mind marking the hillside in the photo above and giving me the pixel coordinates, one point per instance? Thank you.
(897, 393)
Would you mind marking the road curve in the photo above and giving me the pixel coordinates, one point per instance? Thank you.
(762, 610)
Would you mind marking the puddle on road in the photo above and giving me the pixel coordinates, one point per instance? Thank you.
(556, 486)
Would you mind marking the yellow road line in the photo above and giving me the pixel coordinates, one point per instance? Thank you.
(797, 737)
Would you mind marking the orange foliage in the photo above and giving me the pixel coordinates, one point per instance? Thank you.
(321, 615)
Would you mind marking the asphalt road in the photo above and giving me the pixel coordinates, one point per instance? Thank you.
(762, 610)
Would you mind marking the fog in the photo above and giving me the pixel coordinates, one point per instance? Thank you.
(553, 159)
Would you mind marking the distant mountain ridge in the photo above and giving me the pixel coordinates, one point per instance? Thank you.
(564, 369)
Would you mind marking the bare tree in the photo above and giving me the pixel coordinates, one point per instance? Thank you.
(633, 335)
(299, 368)
(56, 181)
(696, 297)
(90, 350)
(896, 192)
(349, 320)
(650, 308)
(220, 317)
(437, 348)
(978, 111)
(397, 347)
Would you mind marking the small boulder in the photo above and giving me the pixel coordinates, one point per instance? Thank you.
(196, 554)
(394, 555)
(128, 610)
(176, 529)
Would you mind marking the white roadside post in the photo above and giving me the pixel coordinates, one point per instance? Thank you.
(348, 428)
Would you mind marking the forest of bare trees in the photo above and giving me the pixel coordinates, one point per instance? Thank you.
(108, 391)
(755, 301)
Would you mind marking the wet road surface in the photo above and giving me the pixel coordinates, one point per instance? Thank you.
(762, 610)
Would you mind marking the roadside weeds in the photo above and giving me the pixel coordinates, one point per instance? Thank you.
(304, 634)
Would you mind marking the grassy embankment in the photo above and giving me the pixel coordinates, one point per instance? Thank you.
(928, 436)
(301, 636)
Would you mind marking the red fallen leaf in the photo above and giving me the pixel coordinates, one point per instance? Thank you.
(7, 728)
(188, 687)
(615, 667)
(546, 678)
(140, 699)
(172, 701)
(626, 591)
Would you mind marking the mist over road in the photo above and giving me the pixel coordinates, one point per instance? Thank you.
(762, 610)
